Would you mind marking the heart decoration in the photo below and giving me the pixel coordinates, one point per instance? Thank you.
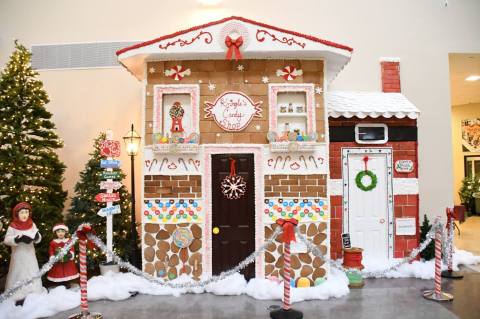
(294, 166)
(147, 163)
(172, 166)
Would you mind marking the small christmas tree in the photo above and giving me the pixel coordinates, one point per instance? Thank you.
(30, 170)
(429, 252)
(84, 208)
(470, 186)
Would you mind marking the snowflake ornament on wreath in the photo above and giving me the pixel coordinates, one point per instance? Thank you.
(233, 186)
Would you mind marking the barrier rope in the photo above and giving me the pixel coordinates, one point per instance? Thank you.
(317, 253)
(45, 268)
(188, 285)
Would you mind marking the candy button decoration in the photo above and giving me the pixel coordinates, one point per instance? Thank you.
(182, 237)
(303, 209)
(303, 282)
(319, 281)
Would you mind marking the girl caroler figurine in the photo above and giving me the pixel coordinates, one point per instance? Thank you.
(21, 234)
(65, 269)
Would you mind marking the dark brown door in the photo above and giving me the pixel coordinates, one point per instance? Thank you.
(235, 218)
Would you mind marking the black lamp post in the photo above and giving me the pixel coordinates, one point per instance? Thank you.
(132, 144)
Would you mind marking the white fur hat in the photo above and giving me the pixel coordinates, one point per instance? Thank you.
(60, 226)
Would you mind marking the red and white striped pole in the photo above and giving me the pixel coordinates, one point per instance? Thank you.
(82, 233)
(288, 235)
(449, 273)
(83, 278)
(437, 294)
(286, 276)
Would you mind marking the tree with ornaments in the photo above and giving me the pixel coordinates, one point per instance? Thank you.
(30, 170)
(84, 207)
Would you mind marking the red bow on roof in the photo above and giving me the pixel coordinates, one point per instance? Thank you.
(288, 226)
(83, 232)
(233, 48)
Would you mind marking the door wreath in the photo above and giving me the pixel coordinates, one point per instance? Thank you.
(362, 174)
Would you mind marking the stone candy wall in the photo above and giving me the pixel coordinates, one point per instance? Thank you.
(303, 264)
(162, 258)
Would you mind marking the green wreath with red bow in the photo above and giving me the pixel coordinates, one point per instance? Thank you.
(362, 174)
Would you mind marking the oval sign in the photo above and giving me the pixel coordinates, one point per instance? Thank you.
(404, 166)
(233, 111)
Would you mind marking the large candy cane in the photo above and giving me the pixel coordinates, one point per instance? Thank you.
(83, 277)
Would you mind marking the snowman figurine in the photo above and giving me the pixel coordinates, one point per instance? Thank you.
(21, 235)
(65, 269)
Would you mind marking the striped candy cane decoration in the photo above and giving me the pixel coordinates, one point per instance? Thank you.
(286, 276)
(83, 277)
(438, 263)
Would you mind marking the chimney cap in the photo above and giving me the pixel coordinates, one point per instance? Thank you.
(389, 59)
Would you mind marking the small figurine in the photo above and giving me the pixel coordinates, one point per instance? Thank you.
(65, 269)
(290, 108)
(21, 234)
(283, 109)
(176, 113)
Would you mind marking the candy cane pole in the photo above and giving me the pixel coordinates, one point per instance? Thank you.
(288, 235)
(437, 294)
(449, 273)
(286, 276)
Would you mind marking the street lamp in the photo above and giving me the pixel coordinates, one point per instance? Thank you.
(132, 144)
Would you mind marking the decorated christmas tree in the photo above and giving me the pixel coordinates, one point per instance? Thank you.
(30, 169)
(429, 252)
(84, 207)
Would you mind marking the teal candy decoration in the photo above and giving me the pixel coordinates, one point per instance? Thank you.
(292, 282)
(319, 281)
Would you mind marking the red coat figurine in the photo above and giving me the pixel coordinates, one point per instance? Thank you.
(65, 269)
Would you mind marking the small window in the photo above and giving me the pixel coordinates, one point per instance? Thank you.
(371, 133)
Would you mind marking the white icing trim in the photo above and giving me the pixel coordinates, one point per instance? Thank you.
(362, 115)
(389, 59)
(63, 278)
(405, 186)
(401, 186)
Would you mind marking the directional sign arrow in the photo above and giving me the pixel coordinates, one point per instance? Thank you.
(107, 197)
(109, 163)
(110, 185)
(110, 175)
(110, 148)
(107, 211)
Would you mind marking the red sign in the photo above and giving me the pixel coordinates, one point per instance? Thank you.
(233, 111)
(107, 197)
(110, 148)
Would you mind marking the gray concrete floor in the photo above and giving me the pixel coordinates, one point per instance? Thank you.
(380, 298)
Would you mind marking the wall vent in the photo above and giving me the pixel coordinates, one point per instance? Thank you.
(76, 55)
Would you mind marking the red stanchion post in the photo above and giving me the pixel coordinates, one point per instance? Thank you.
(83, 241)
(449, 273)
(437, 294)
(288, 235)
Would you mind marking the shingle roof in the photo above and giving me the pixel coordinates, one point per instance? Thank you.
(369, 104)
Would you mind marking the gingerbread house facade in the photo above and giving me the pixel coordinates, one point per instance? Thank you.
(236, 136)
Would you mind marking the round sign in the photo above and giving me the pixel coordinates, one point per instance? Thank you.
(182, 237)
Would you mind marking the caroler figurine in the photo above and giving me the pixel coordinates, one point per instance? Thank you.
(65, 269)
(21, 234)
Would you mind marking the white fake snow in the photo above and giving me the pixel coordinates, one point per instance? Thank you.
(118, 286)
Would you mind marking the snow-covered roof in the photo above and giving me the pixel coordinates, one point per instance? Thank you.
(372, 104)
(260, 41)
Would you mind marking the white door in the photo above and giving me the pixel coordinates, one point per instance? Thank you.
(368, 210)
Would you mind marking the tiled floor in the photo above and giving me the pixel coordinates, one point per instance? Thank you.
(469, 238)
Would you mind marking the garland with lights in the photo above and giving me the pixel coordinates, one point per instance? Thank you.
(30, 170)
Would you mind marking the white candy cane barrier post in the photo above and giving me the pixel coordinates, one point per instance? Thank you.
(288, 235)
(437, 294)
(449, 273)
(84, 313)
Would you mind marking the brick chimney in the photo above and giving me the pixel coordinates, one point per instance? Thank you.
(390, 68)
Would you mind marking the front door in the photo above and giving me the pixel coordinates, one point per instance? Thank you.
(234, 218)
(368, 215)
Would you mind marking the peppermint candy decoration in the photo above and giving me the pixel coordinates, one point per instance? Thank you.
(177, 72)
(289, 73)
(233, 186)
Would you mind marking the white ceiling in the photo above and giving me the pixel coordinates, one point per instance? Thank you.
(461, 66)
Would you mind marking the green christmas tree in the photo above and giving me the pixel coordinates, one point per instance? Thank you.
(429, 252)
(30, 169)
(84, 208)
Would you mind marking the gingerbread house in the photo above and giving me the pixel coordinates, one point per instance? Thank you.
(236, 137)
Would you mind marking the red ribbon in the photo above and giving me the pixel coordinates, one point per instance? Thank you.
(288, 226)
(233, 48)
(83, 232)
(365, 159)
(233, 171)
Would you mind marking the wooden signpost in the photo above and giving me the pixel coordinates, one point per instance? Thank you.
(109, 149)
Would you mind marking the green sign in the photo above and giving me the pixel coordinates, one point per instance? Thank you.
(110, 175)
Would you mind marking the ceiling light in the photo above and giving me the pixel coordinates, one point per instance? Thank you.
(209, 3)
(472, 78)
